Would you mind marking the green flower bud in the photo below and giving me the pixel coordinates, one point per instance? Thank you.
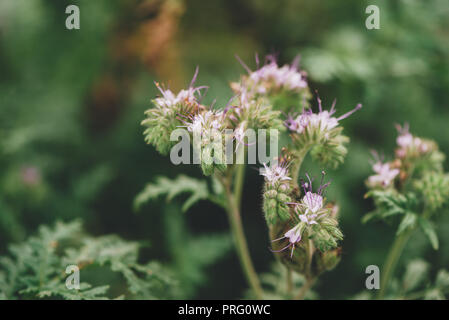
(270, 194)
(332, 152)
(434, 188)
(275, 202)
(326, 261)
(326, 238)
(271, 212)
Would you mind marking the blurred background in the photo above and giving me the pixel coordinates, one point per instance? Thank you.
(71, 103)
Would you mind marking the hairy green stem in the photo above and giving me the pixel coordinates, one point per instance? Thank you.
(392, 260)
(233, 211)
(393, 257)
(239, 180)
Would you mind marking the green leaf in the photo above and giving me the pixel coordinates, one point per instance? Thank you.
(408, 222)
(172, 188)
(36, 267)
(429, 231)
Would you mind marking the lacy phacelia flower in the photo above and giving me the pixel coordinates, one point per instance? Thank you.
(320, 132)
(203, 123)
(313, 202)
(277, 172)
(312, 216)
(384, 176)
(311, 207)
(209, 141)
(323, 121)
(271, 78)
(163, 118)
(190, 96)
(294, 236)
(408, 145)
(239, 135)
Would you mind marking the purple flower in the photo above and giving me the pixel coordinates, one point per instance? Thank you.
(203, 122)
(323, 120)
(294, 237)
(272, 77)
(408, 144)
(186, 96)
(308, 212)
(313, 202)
(384, 176)
(277, 172)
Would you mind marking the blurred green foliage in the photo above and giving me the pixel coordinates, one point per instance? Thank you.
(71, 145)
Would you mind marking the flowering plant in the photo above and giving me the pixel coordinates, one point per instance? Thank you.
(412, 188)
(303, 225)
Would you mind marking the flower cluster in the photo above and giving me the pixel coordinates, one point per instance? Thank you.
(320, 123)
(161, 120)
(321, 132)
(385, 173)
(301, 221)
(277, 191)
(310, 216)
(256, 113)
(271, 77)
(208, 139)
(414, 156)
(281, 85)
(413, 186)
(434, 188)
(410, 146)
(309, 219)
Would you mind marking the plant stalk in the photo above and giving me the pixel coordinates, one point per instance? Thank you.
(235, 221)
(392, 260)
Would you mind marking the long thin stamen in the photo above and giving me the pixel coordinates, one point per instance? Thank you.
(332, 110)
(310, 181)
(278, 239)
(195, 75)
(243, 64)
(295, 62)
(281, 249)
(347, 114)
(320, 107)
(303, 184)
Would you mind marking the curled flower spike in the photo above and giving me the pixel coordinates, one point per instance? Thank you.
(163, 118)
(385, 174)
(310, 211)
